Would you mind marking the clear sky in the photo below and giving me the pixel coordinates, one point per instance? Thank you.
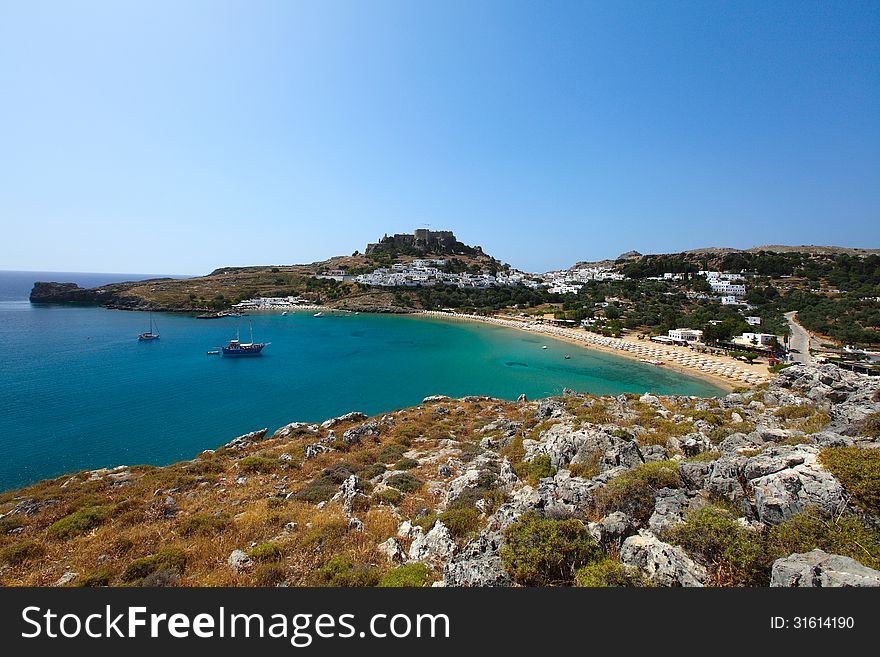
(178, 136)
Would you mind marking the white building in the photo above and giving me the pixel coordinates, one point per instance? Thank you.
(686, 334)
(727, 288)
(753, 321)
(757, 339)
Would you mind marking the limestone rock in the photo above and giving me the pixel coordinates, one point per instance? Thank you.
(478, 564)
(818, 568)
(435, 545)
(65, 579)
(239, 561)
(348, 417)
(662, 563)
(355, 434)
(247, 439)
(392, 550)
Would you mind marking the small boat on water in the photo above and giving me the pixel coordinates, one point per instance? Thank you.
(152, 334)
(220, 315)
(318, 315)
(284, 313)
(237, 348)
(544, 347)
(567, 357)
(213, 352)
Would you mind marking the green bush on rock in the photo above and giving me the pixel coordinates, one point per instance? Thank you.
(543, 552)
(608, 573)
(411, 575)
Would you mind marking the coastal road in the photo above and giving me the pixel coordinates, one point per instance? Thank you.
(798, 341)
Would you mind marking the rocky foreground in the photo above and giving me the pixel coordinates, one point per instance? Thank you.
(778, 485)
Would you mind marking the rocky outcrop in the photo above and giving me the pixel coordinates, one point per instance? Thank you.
(775, 484)
(247, 439)
(662, 563)
(435, 545)
(818, 568)
(478, 564)
(239, 561)
(564, 445)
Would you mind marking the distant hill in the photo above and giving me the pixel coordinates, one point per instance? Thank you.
(721, 251)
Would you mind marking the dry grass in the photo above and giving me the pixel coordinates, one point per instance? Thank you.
(112, 534)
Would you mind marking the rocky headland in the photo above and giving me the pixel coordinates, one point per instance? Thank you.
(776, 486)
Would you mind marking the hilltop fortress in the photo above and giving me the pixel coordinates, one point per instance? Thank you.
(423, 241)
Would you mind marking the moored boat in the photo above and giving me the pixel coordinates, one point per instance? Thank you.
(237, 348)
(152, 334)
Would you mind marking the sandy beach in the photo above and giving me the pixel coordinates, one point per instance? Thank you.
(721, 371)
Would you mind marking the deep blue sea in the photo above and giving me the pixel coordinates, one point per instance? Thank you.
(78, 391)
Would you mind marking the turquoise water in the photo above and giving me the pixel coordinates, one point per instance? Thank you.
(79, 391)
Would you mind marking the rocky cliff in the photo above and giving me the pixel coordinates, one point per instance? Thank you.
(776, 486)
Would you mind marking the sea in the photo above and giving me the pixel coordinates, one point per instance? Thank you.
(78, 391)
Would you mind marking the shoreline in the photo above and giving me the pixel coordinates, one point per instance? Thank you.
(721, 373)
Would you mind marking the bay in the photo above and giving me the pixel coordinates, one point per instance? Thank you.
(78, 391)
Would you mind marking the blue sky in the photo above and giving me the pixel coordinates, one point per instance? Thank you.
(183, 136)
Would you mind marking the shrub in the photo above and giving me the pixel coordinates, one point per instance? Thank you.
(711, 455)
(462, 521)
(270, 574)
(373, 470)
(317, 490)
(543, 552)
(390, 496)
(95, 578)
(870, 426)
(736, 555)
(10, 523)
(161, 578)
(846, 535)
(78, 522)
(205, 524)
(258, 464)
(169, 559)
(858, 469)
(793, 412)
(608, 573)
(406, 464)
(633, 492)
(18, 553)
(405, 482)
(411, 575)
(391, 453)
(536, 469)
(340, 570)
(586, 470)
(425, 521)
(266, 552)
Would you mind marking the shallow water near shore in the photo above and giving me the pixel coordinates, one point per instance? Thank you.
(78, 391)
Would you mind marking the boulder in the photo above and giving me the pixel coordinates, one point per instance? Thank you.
(348, 491)
(295, 429)
(565, 445)
(348, 417)
(437, 544)
(670, 508)
(614, 529)
(392, 550)
(246, 440)
(478, 564)
(820, 569)
(311, 451)
(786, 480)
(662, 563)
(239, 561)
(65, 579)
(354, 435)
